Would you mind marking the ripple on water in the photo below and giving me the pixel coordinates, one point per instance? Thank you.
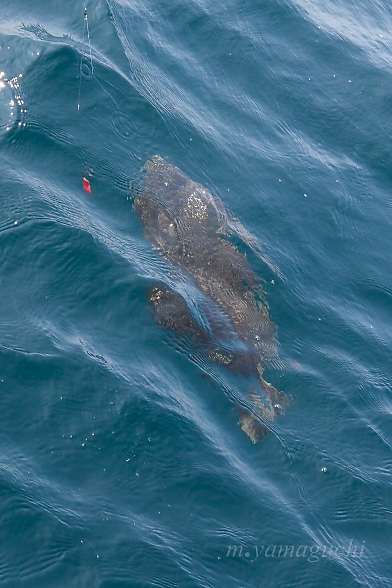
(143, 122)
(87, 70)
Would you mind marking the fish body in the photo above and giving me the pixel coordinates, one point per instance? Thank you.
(190, 229)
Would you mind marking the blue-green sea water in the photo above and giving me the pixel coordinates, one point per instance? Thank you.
(120, 464)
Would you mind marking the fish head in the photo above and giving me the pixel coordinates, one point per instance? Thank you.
(175, 212)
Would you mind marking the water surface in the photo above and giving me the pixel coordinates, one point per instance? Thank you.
(121, 465)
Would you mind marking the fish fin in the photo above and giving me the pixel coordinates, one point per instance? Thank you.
(172, 312)
(252, 426)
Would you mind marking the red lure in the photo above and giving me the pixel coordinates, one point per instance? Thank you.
(86, 186)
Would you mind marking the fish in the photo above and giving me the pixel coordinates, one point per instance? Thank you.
(225, 320)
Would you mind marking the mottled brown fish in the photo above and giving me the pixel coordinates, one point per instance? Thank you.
(191, 230)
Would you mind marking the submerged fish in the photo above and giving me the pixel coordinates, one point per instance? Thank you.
(191, 230)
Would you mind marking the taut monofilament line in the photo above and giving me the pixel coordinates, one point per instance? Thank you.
(86, 32)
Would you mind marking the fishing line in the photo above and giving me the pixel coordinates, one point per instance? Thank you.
(87, 171)
(88, 37)
(85, 30)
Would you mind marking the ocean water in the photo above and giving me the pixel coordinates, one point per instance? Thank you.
(121, 465)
